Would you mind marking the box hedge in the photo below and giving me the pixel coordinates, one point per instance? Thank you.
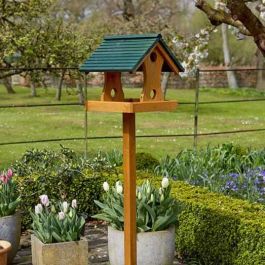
(218, 229)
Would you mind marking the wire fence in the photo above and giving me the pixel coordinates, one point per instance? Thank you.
(85, 137)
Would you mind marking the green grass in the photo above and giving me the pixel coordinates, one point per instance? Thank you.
(59, 122)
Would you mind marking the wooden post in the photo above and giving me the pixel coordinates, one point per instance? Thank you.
(130, 252)
(85, 121)
(196, 110)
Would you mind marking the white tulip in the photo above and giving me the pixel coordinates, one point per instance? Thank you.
(165, 183)
(65, 207)
(61, 215)
(119, 189)
(74, 204)
(152, 198)
(38, 209)
(44, 200)
(118, 183)
(139, 195)
(106, 186)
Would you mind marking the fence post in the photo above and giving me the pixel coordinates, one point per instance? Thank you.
(196, 109)
(85, 121)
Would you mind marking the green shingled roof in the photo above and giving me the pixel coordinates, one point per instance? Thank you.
(125, 53)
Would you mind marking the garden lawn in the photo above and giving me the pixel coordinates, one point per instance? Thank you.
(25, 124)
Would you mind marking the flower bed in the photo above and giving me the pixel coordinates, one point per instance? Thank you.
(216, 229)
(227, 169)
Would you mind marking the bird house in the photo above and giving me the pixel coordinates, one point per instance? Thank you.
(132, 53)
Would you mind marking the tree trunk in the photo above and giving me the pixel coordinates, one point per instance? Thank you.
(260, 73)
(164, 83)
(79, 87)
(7, 81)
(59, 88)
(128, 10)
(33, 89)
(231, 78)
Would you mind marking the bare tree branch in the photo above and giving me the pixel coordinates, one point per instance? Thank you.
(217, 16)
(242, 13)
(240, 16)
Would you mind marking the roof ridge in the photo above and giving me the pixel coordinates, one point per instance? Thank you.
(134, 36)
(130, 51)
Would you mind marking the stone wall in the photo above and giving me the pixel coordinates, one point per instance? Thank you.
(211, 77)
(136, 80)
(217, 77)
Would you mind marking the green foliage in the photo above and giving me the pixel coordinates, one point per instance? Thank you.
(156, 209)
(212, 228)
(57, 224)
(104, 161)
(226, 168)
(217, 229)
(9, 198)
(36, 34)
(145, 161)
(114, 158)
(58, 174)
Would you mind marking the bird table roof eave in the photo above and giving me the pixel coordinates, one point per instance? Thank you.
(125, 53)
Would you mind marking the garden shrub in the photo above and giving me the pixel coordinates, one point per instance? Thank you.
(85, 188)
(60, 174)
(218, 229)
(145, 161)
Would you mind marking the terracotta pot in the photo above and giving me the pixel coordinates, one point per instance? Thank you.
(10, 230)
(5, 248)
(64, 253)
(153, 248)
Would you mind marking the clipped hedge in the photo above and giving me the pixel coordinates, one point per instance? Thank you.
(218, 229)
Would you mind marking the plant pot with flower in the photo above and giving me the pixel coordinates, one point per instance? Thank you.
(5, 248)
(10, 218)
(57, 234)
(157, 214)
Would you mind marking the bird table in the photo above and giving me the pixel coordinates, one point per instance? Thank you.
(131, 53)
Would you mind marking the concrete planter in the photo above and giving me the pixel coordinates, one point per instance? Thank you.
(65, 253)
(10, 230)
(156, 248)
(5, 248)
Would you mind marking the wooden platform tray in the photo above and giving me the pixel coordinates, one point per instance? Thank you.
(131, 106)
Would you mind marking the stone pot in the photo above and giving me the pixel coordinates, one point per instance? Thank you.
(156, 248)
(10, 230)
(5, 248)
(64, 253)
